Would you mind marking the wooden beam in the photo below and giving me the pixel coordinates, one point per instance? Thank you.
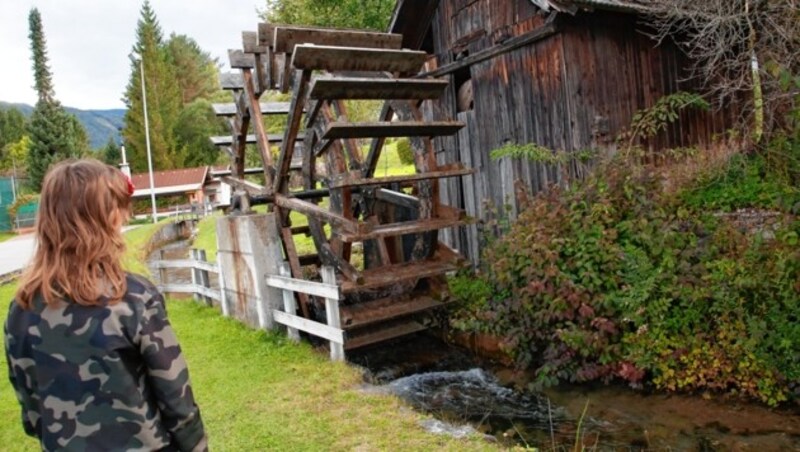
(334, 219)
(386, 276)
(329, 58)
(250, 43)
(397, 198)
(316, 289)
(291, 132)
(267, 108)
(231, 80)
(239, 60)
(249, 139)
(251, 188)
(309, 326)
(353, 178)
(376, 88)
(545, 31)
(338, 130)
(402, 228)
(286, 37)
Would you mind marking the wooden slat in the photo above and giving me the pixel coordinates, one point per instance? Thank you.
(316, 211)
(402, 228)
(265, 33)
(251, 188)
(353, 179)
(363, 314)
(309, 326)
(250, 139)
(384, 334)
(231, 80)
(338, 130)
(376, 88)
(191, 289)
(388, 275)
(313, 57)
(250, 43)
(239, 59)
(316, 289)
(397, 198)
(287, 37)
(267, 108)
(186, 263)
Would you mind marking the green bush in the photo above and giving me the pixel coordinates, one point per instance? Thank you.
(614, 279)
(405, 152)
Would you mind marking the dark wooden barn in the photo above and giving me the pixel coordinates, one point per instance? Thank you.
(568, 75)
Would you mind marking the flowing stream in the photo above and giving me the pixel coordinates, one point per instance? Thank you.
(466, 395)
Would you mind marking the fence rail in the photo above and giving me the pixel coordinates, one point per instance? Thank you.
(327, 289)
(200, 287)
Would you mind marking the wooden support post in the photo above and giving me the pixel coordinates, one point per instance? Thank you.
(195, 275)
(162, 272)
(332, 313)
(289, 304)
(205, 281)
(223, 293)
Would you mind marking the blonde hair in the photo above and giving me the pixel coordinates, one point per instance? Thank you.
(79, 241)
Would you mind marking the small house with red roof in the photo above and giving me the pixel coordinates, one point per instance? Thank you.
(180, 188)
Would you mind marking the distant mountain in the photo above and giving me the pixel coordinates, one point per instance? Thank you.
(100, 125)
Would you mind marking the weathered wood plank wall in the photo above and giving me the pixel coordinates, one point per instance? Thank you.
(572, 91)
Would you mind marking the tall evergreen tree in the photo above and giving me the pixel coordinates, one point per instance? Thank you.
(163, 99)
(55, 134)
(12, 126)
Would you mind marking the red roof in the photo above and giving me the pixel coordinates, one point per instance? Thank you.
(171, 178)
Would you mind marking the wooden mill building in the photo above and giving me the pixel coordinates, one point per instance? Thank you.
(565, 74)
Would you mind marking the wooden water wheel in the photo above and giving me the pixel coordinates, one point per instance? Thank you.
(341, 204)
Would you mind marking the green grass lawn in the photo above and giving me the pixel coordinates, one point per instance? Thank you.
(6, 235)
(259, 391)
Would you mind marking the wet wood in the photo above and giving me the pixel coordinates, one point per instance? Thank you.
(398, 198)
(356, 59)
(375, 88)
(287, 37)
(391, 129)
(364, 314)
(376, 146)
(392, 274)
(383, 334)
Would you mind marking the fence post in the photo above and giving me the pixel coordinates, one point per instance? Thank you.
(223, 293)
(289, 304)
(196, 275)
(205, 281)
(332, 313)
(162, 272)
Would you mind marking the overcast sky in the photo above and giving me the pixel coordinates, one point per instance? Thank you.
(88, 42)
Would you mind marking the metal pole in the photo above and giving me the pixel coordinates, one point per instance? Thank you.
(147, 141)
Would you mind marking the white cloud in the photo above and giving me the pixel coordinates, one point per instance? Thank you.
(88, 42)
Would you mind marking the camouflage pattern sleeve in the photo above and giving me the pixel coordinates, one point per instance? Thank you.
(168, 376)
(28, 399)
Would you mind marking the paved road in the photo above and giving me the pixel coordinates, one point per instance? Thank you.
(17, 252)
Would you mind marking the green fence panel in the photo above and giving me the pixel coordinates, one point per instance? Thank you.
(6, 200)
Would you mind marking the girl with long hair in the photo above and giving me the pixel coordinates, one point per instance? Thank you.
(91, 355)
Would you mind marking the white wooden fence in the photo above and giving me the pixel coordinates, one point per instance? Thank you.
(200, 287)
(287, 316)
(328, 290)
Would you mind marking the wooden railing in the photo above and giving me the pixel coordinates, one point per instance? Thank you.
(200, 287)
(327, 289)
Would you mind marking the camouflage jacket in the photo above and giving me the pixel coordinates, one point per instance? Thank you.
(104, 377)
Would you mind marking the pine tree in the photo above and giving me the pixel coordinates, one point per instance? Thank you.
(55, 134)
(111, 153)
(163, 99)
